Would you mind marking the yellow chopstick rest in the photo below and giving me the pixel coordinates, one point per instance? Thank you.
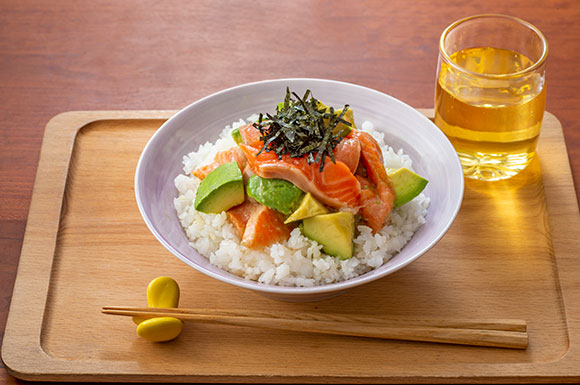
(162, 292)
(160, 329)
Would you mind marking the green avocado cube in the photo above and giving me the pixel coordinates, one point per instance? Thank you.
(278, 194)
(237, 136)
(334, 231)
(221, 189)
(407, 185)
(309, 207)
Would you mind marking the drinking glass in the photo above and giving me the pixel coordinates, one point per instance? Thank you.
(491, 93)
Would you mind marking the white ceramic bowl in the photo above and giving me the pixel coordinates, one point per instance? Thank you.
(404, 127)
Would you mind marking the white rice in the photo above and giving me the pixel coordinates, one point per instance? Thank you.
(298, 261)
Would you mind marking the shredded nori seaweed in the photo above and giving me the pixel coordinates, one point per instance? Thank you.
(302, 127)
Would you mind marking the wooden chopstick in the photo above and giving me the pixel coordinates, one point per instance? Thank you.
(506, 333)
(491, 324)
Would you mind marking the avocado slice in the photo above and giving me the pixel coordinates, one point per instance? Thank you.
(333, 231)
(236, 135)
(221, 189)
(341, 128)
(309, 207)
(278, 194)
(407, 185)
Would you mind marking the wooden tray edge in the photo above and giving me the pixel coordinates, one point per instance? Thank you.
(22, 344)
(61, 132)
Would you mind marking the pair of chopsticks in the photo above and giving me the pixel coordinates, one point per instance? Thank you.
(503, 333)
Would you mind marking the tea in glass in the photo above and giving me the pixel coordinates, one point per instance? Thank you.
(491, 93)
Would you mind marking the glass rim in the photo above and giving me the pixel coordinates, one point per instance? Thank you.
(530, 26)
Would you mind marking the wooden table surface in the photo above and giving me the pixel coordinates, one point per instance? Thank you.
(66, 55)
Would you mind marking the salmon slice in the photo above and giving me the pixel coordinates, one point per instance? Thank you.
(347, 151)
(223, 157)
(251, 135)
(373, 210)
(265, 226)
(372, 159)
(247, 173)
(335, 186)
(240, 215)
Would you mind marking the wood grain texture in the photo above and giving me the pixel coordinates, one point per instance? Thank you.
(112, 55)
(95, 249)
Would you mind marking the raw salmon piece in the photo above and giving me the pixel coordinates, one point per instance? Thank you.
(372, 159)
(223, 157)
(251, 135)
(347, 151)
(240, 214)
(335, 186)
(373, 210)
(265, 227)
(338, 183)
(247, 173)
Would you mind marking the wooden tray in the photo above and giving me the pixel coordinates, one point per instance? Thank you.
(511, 253)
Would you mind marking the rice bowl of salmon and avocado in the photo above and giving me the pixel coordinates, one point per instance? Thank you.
(305, 264)
(300, 196)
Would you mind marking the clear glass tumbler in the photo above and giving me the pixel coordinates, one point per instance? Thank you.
(491, 93)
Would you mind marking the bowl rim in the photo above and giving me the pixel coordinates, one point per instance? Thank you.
(292, 290)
